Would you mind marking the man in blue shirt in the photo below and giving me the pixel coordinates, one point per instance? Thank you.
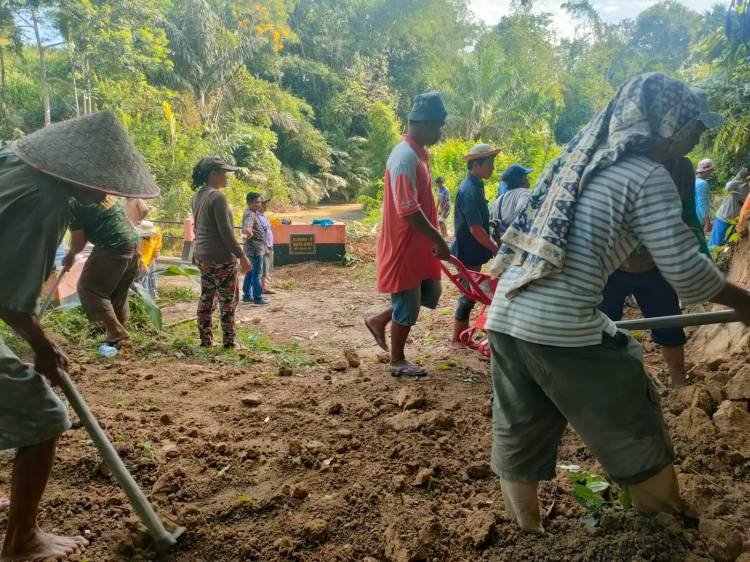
(471, 224)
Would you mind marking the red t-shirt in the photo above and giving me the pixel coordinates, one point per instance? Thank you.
(404, 256)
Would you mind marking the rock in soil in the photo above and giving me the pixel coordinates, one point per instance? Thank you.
(285, 371)
(478, 470)
(300, 491)
(738, 387)
(410, 399)
(315, 530)
(694, 396)
(480, 527)
(285, 545)
(733, 422)
(399, 483)
(437, 420)
(723, 541)
(316, 447)
(335, 408)
(423, 477)
(251, 400)
(340, 365)
(352, 358)
(405, 421)
(397, 550)
(694, 423)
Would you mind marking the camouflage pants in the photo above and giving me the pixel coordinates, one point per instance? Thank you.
(218, 278)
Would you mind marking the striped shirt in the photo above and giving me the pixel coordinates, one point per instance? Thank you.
(633, 200)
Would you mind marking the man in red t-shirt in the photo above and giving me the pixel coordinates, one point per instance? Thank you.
(410, 243)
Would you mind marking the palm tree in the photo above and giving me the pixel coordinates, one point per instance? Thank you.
(205, 53)
(737, 23)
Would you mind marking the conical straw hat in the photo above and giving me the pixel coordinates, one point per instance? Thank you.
(94, 151)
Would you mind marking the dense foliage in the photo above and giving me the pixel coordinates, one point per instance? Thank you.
(308, 96)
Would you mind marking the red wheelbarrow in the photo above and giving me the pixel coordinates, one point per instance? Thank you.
(481, 288)
(478, 287)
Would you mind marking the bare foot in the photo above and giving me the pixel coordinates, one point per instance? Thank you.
(4, 502)
(378, 332)
(42, 546)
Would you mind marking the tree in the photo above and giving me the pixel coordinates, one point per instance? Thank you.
(662, 36)
(10, 41)
(34, 18)
(209, 42)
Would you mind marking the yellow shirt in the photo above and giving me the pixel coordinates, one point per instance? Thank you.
(150, 248)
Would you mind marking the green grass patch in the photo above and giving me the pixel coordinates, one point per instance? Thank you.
(288, 285)
(259, 347)
(174, 294)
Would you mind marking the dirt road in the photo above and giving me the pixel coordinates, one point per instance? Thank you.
(338, 212)
(287, 452)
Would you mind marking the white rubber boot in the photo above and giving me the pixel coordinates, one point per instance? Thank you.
(658, 494)
(522, 504)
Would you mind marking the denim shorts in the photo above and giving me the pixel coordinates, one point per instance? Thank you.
(406, 303)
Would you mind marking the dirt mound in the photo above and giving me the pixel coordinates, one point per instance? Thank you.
(355, 465)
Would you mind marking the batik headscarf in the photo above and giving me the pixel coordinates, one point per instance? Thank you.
(647, 108)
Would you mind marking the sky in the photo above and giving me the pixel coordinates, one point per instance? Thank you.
(490, 11)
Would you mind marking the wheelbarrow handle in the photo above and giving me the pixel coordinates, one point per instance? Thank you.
(163, 539)
(474, 291)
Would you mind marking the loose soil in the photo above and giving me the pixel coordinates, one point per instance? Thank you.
(308, 450)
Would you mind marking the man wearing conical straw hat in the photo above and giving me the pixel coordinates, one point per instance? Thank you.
(86, 158)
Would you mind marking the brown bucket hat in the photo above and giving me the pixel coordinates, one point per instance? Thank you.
(93, 151)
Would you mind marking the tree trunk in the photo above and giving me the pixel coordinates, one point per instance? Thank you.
(3, 106)
(42, 69)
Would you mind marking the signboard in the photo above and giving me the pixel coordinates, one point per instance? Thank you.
(301, 244)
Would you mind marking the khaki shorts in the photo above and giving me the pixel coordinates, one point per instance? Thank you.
(603, 391)
(30, 412)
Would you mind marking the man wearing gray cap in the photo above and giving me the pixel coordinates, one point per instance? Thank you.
(410, 244)
(85, 158)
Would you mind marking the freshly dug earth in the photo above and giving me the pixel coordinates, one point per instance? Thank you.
(315, 463)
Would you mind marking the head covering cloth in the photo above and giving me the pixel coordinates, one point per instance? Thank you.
(646, 109)
(93, 151)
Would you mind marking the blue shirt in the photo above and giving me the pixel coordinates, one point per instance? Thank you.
(471, 209)
(502, 188)
(702, 200)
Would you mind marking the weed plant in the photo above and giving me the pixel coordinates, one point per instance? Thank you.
(594, 493)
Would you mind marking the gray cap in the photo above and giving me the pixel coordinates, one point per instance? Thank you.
(710, 119)
(428, 107)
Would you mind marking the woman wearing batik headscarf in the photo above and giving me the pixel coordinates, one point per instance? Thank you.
(556, 359)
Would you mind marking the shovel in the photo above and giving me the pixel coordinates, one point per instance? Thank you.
(51, 294)
(163, 539)
(680, 320)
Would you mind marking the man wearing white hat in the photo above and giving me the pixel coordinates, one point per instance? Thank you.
(85, 158)
(471, 221)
